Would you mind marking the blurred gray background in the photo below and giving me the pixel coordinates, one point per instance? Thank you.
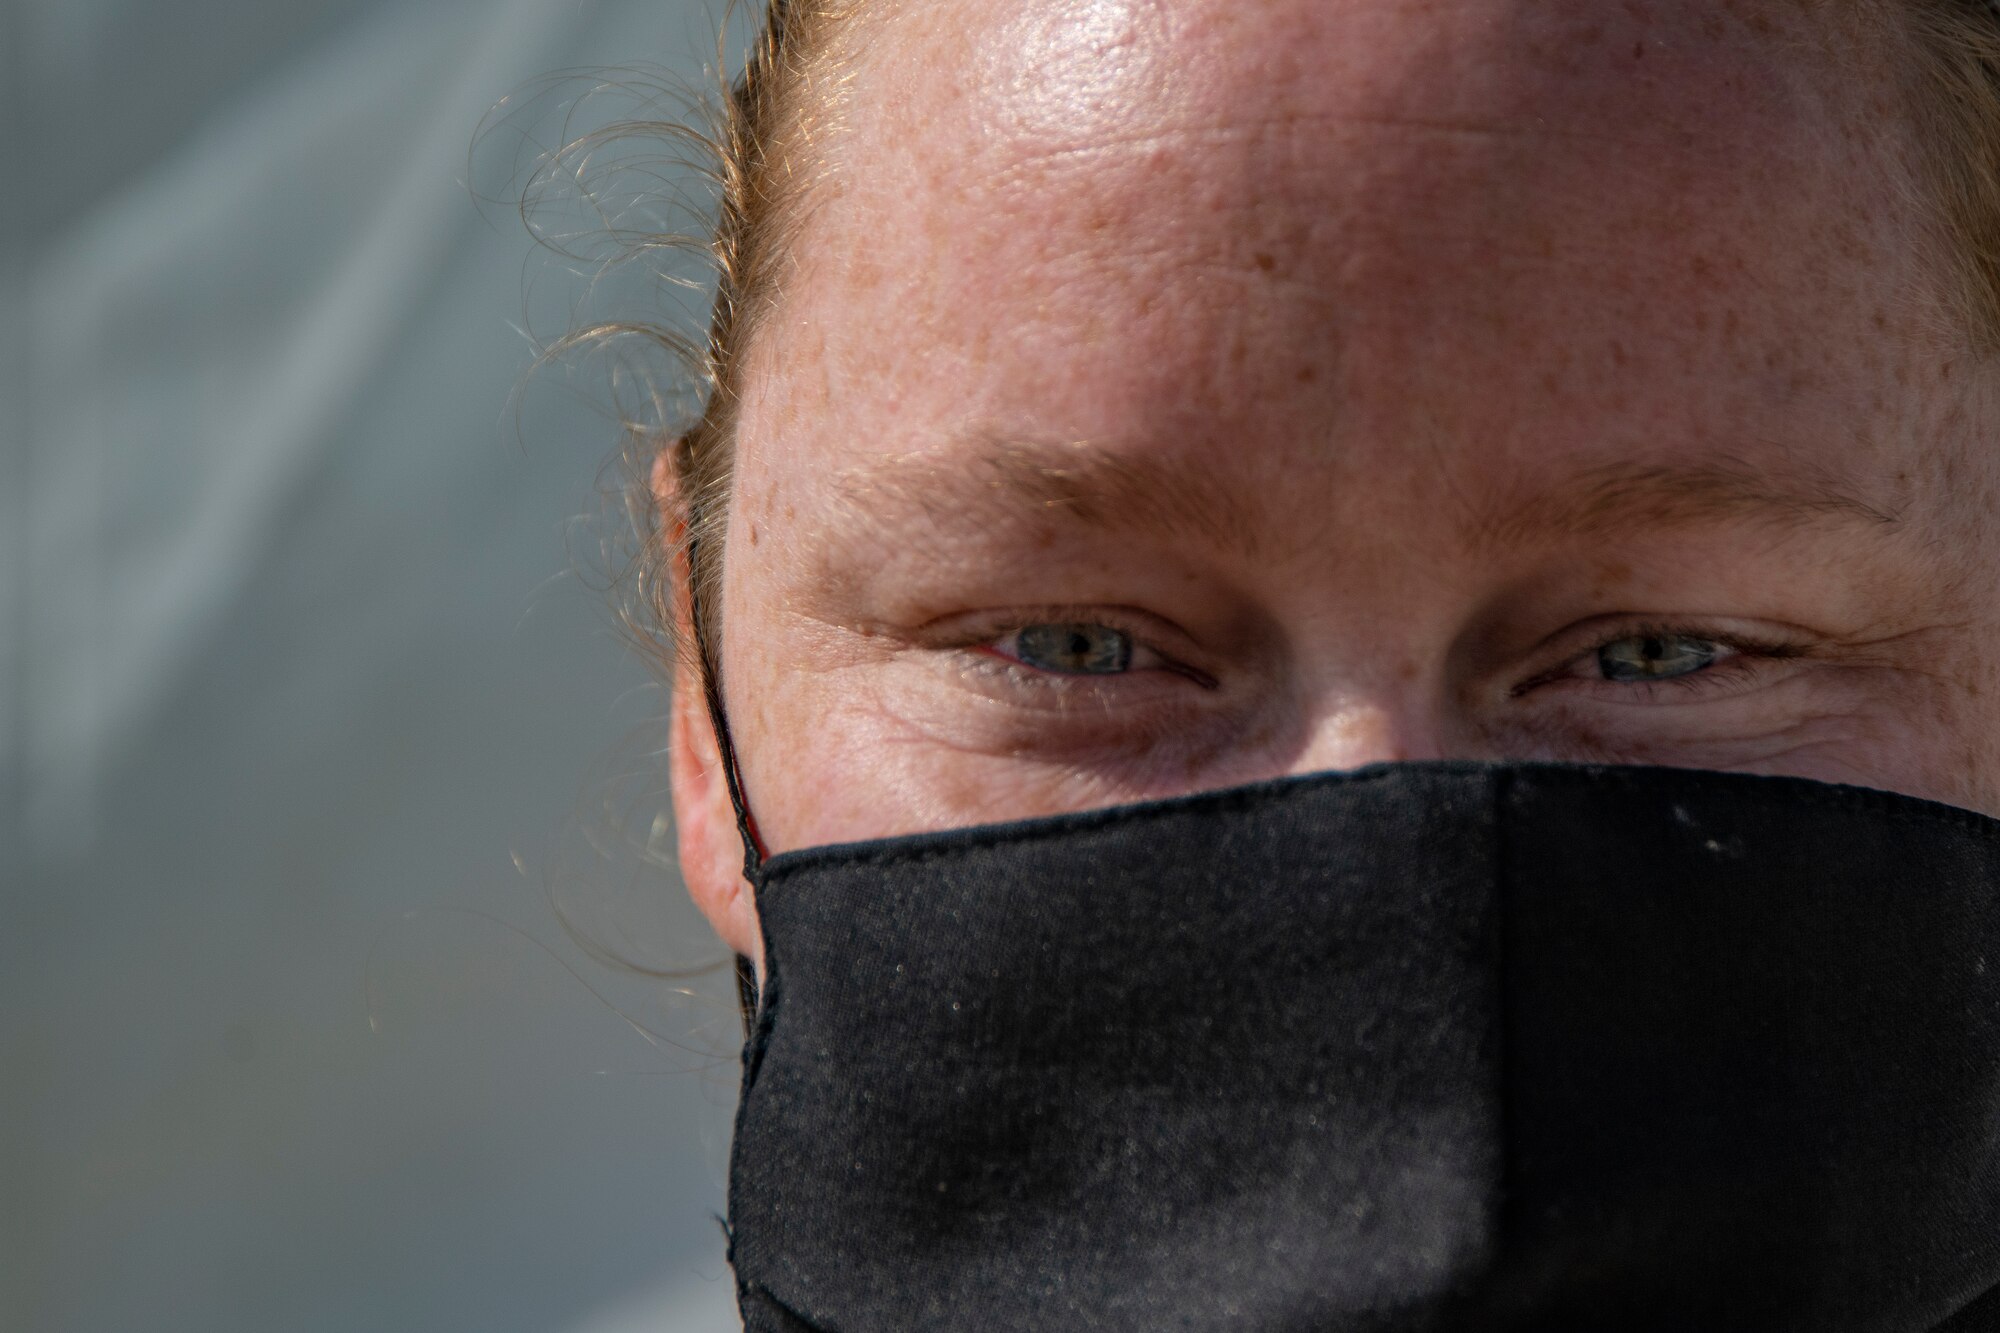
(324, 774)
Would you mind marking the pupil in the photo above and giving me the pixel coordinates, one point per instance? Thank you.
(1075, 650)
(1654, 657)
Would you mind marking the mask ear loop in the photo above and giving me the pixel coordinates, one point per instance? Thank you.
(732, 776)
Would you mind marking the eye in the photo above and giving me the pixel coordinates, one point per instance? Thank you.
(1643, 657)
(1070, 650)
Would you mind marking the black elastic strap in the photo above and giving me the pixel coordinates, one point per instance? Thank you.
(718, 718)
(711, 683)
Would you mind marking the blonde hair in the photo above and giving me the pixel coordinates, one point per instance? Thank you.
(757, 143)
(763, 154)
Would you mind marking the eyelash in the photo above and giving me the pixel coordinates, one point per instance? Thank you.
(1747, 656)
(976, 654)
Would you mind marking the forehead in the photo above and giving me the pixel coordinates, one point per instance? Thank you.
(1492, 236)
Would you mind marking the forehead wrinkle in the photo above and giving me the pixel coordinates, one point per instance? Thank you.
(1002, 480)
(1619, 497)
(1042, 157)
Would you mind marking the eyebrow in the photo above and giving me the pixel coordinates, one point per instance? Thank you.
(1619, 497)
(1003, 479)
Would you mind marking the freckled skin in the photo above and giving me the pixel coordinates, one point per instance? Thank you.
(1377, 272)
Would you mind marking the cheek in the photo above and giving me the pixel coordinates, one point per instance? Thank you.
(1946, 742)
(1952, 749)
(1935, 736)
(840, 773)
(824, 762)
(828, 765)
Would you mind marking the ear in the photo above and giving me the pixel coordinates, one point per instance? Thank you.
(711, 848)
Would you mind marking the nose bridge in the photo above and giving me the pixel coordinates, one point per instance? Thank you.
(1369, 683)
(1369, 638)
(1373, 722)
(1364, 730)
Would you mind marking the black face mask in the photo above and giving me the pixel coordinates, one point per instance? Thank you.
(1427, 1046)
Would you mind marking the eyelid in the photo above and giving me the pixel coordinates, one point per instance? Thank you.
(1139, 656)
(1150, 635)
(1593, 636)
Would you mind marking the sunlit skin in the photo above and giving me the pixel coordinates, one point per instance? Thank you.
(1364, 380)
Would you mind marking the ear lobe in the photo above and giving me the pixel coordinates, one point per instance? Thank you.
(711, 849)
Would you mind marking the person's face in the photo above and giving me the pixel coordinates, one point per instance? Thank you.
(1170, 395)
